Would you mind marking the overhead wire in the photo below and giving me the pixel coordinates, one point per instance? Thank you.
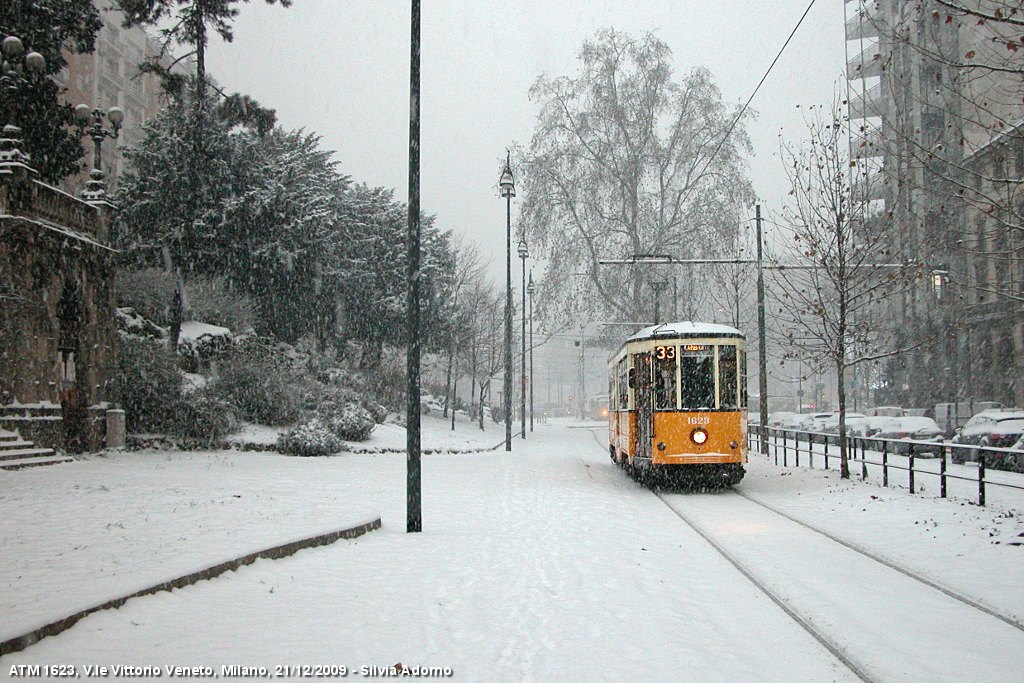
(750, 99)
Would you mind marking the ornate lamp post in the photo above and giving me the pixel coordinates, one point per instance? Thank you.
(91, 123)
(530, 289)
(14, 64)
(523, 254)
(16, 69)
(508, 190)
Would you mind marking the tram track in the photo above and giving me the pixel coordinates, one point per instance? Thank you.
(981, 607)
(827, 606)
(804, 622)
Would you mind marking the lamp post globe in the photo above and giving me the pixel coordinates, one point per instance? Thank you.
(524, 253)
(508, 190)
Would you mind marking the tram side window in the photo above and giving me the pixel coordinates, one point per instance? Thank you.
(743, 378)
(727, 377)
(665, 378)
(697, 378)
(623, 386)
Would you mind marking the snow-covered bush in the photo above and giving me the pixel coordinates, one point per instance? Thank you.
(200, 343)
(131, 324)
(334, 397)
(212, 300)
(261, 384)
(147, 381)
(349, 420)
(201, 416)
(149, 291)
(311, 438)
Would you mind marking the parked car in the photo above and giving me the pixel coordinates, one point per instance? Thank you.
(776, 419)
(874, 423)
(886, 411)
(816, 423)
(795, 423)
(856, 425)
(978, 429)
(913, 428)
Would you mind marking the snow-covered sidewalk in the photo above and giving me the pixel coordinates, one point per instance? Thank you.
(543, 564)
(78, 535)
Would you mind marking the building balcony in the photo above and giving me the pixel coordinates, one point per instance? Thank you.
(863, 24)
(871, 103)
(868, 144)
(867, 64)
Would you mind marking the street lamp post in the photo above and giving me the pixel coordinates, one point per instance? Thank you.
(91, 123)
(14, 64)
(530, 289)
(523, 254)
(508, 190)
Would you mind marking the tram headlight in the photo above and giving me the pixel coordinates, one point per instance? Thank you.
(699, 436)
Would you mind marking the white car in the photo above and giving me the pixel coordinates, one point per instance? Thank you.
(855, 424)
(816, 424)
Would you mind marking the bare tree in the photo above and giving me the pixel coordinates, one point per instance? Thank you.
(831, 302)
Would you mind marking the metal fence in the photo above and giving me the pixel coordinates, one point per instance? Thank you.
(929, 459)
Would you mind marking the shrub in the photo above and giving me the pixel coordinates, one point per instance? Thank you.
(201, 416)
(212, 300)
(311, 438)
(261, 384)
(349, 420)
(147, 381)
(149, 291)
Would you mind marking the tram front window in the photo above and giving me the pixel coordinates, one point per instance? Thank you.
(665, 378)
(697, 378)
(727, 376)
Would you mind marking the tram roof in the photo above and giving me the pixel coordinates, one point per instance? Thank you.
(686, 329)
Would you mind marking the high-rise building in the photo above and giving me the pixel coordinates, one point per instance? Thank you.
(111, 77)
(938, 132)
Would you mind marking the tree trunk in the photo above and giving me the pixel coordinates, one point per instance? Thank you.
(448, 380)
(844, 463)
(455, 386)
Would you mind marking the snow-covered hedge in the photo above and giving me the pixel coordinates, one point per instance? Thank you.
(202, 417)
(263, 386)
(349, 421)
(147, 381)
(311, 438)
(199, 343)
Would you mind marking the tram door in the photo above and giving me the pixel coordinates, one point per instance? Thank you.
(644, 414)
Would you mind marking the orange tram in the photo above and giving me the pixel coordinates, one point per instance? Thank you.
(678, 404)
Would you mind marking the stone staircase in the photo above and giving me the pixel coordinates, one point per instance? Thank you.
(16, 453)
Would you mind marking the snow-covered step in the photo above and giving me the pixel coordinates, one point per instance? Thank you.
(23, 453)
(13, 445)
(8, 436)
(34, 462)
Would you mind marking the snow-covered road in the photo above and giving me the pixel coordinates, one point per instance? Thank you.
(550, 564)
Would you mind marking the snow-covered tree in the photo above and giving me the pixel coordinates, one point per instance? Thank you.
(626, 160)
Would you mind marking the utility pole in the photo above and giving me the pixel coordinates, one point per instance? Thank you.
(414, 516)
(657, 286)
(762, 348)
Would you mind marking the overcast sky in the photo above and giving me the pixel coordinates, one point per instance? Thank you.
(340, 68)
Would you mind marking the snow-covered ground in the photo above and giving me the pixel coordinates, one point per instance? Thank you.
(544, 564)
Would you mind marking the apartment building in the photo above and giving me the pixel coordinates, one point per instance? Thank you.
(936, 97)
(110, 77)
